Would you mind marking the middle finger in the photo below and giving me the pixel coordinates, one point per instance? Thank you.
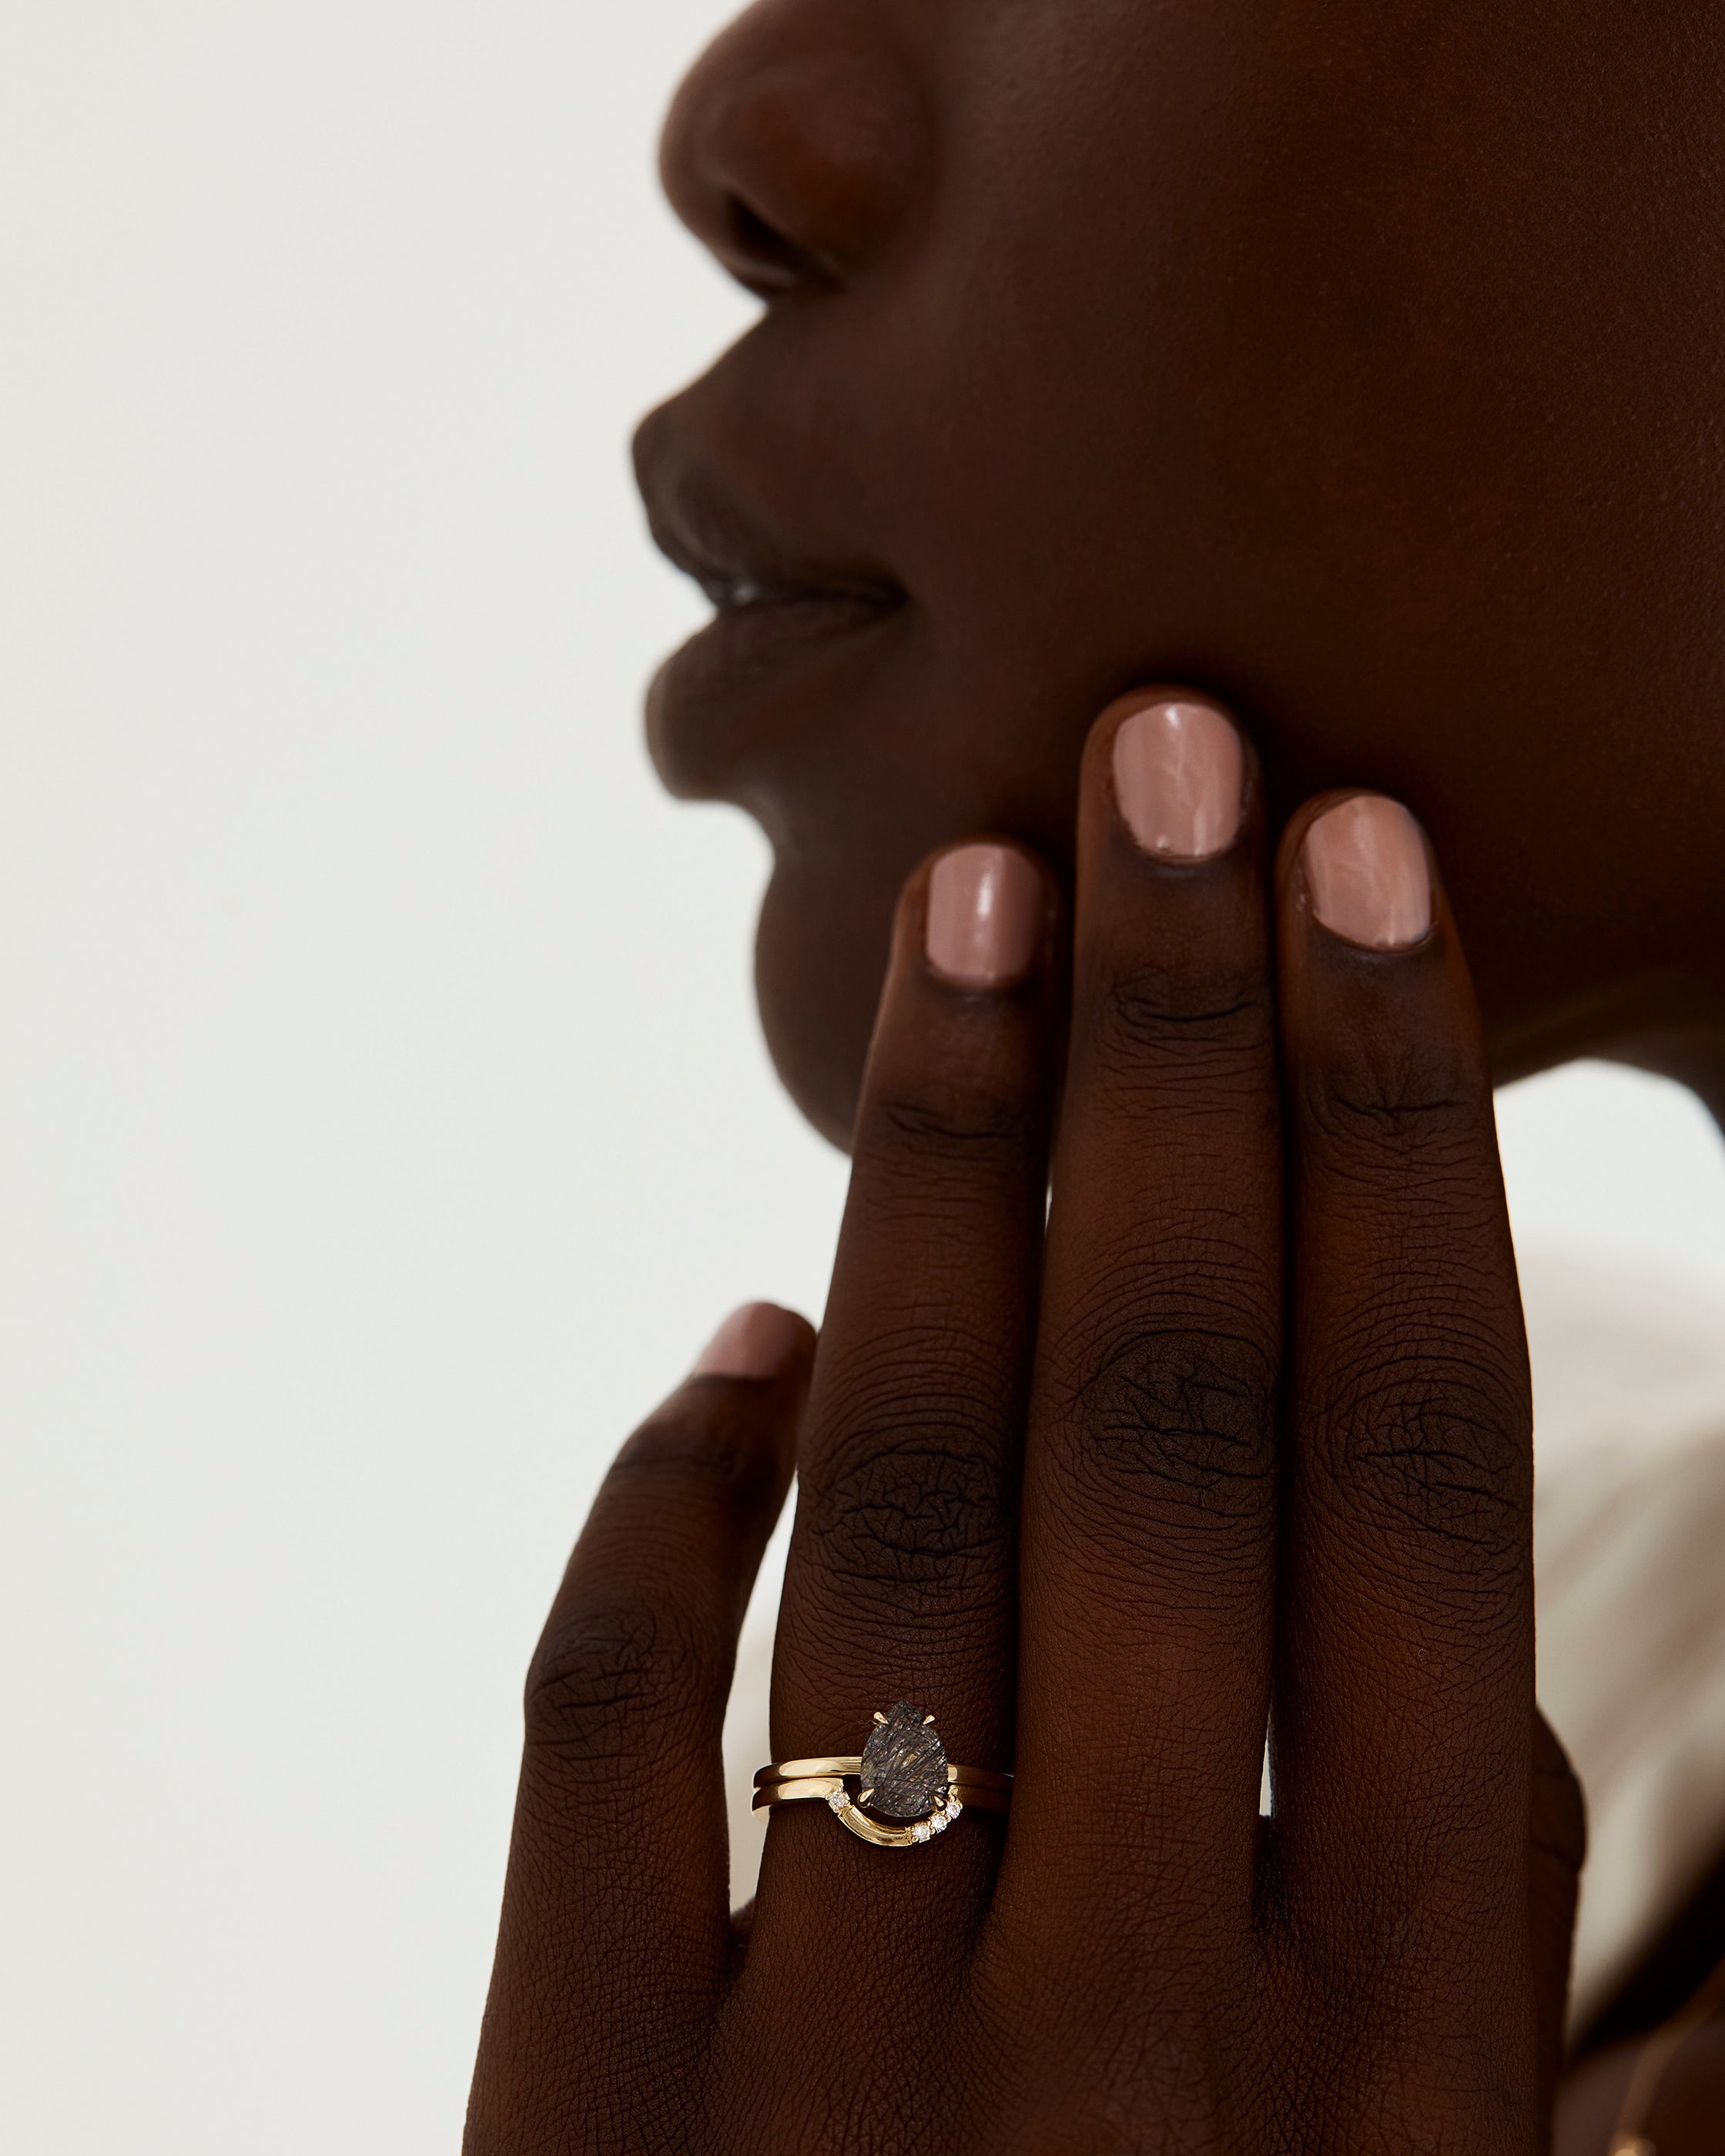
(1149, 1498)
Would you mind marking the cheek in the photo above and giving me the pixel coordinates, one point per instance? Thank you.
(1203, 359)
(1270, 359)
(1265, 357)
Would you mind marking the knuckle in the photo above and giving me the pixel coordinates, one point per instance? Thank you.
(1383, 1097)
(1207, 1020)
(941, 1124)
(921, 1514)
(606, 1677)
(1176, 1414)
(1439, 1451)
(702, 1444)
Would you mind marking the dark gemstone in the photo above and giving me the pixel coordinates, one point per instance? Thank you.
(905, 1764)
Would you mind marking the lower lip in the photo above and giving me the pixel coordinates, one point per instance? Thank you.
(736, 681)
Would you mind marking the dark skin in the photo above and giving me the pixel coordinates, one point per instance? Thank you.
(1100, 1497)
(1348, 358)
(1358, 364)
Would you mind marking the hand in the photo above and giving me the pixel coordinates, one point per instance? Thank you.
(1244, 1440)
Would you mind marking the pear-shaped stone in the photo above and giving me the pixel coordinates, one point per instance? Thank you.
(905, 1764)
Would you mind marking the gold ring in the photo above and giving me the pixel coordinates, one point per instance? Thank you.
(902, 1774)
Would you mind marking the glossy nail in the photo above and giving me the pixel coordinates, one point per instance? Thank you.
(985, 915)
(1365, 867)
(755, 1341)
(1177, 772)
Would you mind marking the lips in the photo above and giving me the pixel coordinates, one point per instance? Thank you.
(785, 612)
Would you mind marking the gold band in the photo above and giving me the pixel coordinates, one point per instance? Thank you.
(822, 1781)
(966, 1784)
(847, 1764)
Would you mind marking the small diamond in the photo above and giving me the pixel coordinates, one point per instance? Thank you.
(921, 1830)
(939, 1823)
(954, 1808)
(838, 1801)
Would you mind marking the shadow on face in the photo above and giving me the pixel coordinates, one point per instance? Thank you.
(1359, 362)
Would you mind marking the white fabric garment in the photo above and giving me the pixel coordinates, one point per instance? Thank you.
(1629, 1383)
(1629, 1534)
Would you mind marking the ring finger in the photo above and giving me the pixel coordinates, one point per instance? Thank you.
(899, 1584)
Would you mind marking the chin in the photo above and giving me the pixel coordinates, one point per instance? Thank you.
(819, 959)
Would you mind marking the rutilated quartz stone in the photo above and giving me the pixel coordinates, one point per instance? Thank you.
(905, 1764)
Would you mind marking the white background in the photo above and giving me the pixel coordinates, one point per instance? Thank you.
(382, 1119)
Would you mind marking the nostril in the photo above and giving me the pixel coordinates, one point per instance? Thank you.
(762, 258)
(795, 158)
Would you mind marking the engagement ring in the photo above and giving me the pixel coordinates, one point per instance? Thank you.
(902, 1774)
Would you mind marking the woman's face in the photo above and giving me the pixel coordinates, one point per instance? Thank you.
(1360, 361)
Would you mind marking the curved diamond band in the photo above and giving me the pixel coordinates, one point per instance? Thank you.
(901, 1791)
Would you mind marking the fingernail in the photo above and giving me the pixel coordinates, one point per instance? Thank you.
(985, 910)
(755, 1341)
(1178, 773)
(1365, 867)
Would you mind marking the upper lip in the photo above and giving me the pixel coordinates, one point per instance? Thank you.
(733, 550)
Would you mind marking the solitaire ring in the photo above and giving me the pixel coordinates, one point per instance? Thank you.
(901, 1775)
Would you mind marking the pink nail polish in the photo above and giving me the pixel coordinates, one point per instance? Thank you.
(755, 1341)
(1365, 867)
(1178, 773)
(985, 915)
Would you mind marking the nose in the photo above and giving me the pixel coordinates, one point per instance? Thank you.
(793, 150)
